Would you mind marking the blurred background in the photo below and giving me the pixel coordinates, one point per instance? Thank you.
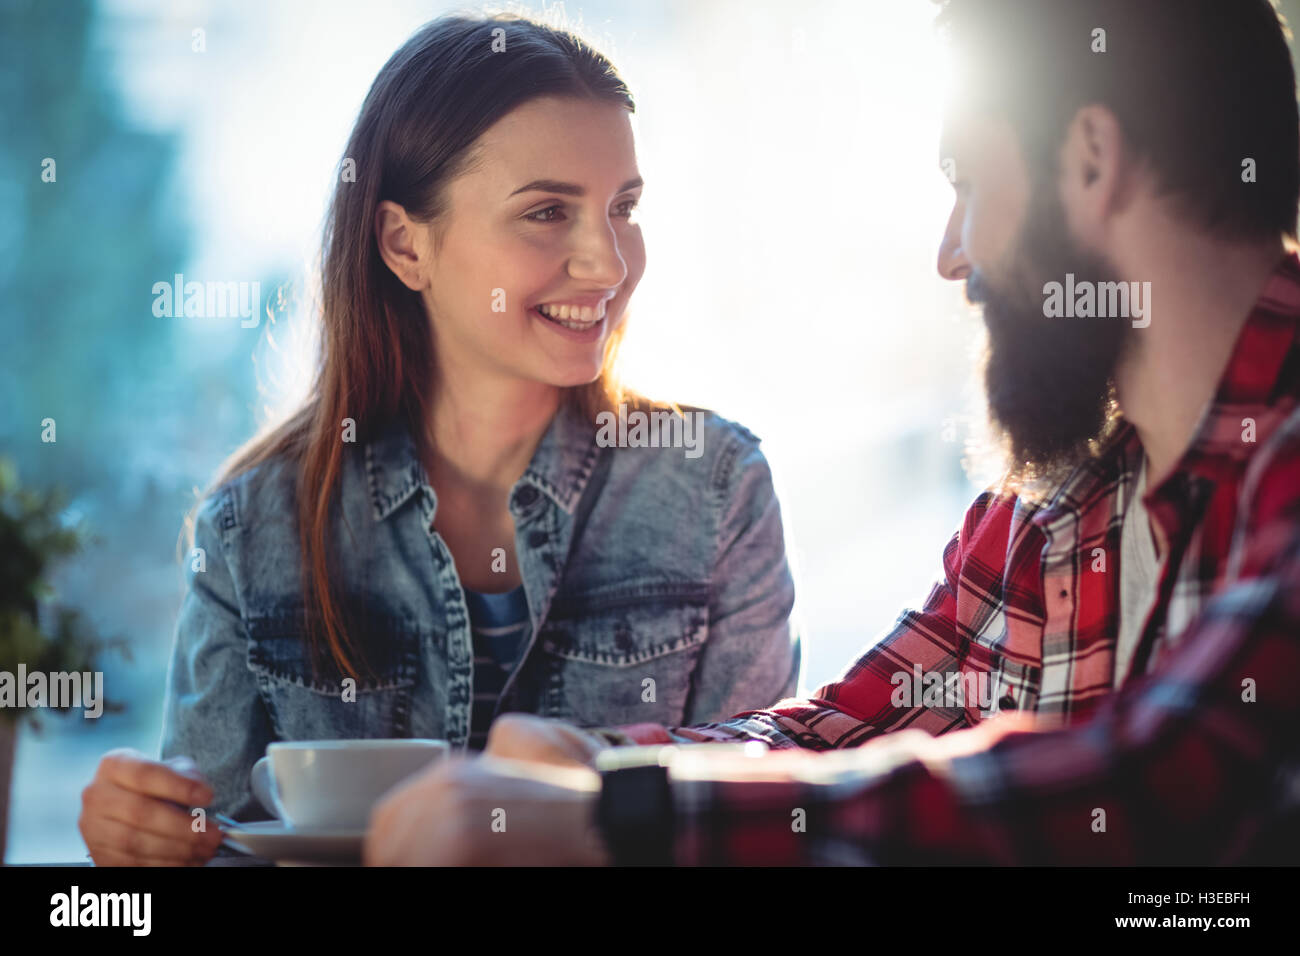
(792, 214)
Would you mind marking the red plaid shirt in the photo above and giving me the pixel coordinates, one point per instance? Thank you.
(1194, 759)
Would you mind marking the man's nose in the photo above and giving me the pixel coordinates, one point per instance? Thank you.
(953, 264)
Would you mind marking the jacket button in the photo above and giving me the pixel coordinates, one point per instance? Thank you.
(525, 496)
(1007, 702)
(536, 539)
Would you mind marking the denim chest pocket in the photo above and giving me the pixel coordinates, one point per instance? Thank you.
(310, 698)
(621, 661)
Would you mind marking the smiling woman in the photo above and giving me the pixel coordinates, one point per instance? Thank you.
(552, 263)
(439, 534)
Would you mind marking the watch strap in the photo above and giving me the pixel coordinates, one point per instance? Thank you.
(635, 815)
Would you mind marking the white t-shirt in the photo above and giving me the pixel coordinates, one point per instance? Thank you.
(1139, 573)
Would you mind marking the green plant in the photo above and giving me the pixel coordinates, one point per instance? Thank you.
(34, 536)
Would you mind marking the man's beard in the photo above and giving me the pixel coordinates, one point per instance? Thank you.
(1048, 381)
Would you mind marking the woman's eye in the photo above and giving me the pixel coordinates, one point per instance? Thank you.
(555, 213)
(544, 215)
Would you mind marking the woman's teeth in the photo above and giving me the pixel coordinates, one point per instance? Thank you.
(575, 317)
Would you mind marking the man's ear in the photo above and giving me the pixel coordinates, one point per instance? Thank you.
(401, 245)
(1096, 173)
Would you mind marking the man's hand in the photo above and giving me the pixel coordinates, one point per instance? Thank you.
(487, 811)
(542, 740)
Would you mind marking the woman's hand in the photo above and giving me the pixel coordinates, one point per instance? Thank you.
(542, 740)
(135, 812)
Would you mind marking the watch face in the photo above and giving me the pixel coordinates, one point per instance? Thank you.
(671, 755)
(624, 758)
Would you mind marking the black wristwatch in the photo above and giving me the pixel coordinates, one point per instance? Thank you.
(635, 815)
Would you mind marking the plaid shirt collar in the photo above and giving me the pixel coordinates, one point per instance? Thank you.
(1255, 395)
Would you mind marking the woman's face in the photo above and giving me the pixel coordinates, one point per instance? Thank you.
(540, 249)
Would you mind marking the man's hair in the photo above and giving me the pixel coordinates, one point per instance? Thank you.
(1198, 86)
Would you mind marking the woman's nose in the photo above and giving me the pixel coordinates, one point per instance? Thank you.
(597, 258)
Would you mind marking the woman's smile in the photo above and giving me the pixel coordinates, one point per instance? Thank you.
(578, 318)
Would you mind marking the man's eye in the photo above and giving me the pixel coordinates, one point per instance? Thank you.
(624, 209)
(544, 215)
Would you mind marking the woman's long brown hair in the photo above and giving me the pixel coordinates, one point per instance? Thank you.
(428, 105)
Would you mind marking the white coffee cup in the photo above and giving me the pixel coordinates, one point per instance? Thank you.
(334, 784)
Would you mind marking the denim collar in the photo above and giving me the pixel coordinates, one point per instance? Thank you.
(559, 469)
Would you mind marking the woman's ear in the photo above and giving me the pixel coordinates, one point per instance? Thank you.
(401, 245)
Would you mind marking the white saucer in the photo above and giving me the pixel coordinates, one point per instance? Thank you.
(272, 840)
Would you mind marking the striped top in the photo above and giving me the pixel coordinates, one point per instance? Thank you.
(499, 625)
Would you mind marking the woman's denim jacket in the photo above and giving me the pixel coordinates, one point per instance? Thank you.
(656, 580)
